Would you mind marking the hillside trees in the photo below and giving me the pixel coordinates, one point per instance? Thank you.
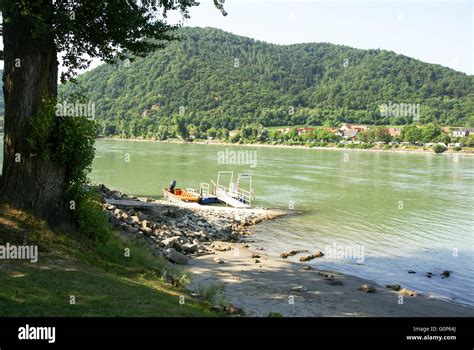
(274, 85)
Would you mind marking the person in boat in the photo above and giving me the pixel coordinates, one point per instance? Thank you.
(172, 186)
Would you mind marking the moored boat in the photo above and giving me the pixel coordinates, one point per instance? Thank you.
(179, 194)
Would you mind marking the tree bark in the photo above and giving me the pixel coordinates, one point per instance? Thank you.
(30, 73)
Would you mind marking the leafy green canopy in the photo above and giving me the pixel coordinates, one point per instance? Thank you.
(104, 29)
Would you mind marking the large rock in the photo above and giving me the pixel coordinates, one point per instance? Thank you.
(189, 247)
(141, 216)
(170, 242)
(147, 230)
(131, 229)
(176, 257)
(318, 254)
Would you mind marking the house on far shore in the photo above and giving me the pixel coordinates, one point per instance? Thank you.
(359, 128)
(462, 132)
(395, 132)
(347, 134)
(302, 131)
(350, 131)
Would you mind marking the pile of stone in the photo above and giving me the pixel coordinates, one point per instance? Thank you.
(177, 232)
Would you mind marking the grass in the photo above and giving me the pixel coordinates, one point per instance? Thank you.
(103, 281)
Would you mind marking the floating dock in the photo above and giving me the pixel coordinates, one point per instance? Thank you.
(229, 200)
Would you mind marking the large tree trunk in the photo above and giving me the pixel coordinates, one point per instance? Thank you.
(28, 182)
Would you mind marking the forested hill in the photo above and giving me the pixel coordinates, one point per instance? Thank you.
(219, 79)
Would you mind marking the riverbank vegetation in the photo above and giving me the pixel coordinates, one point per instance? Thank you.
(75, 276)
(409, 137)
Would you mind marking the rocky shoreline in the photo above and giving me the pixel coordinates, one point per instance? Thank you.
(180, 231)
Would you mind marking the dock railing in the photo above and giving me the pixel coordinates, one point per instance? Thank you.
(204, 189)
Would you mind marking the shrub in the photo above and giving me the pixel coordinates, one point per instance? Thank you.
(438, 148)
(92, 220)
(69, 141)
(457, 148)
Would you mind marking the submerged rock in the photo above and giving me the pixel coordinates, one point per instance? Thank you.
(367, 288)
(293, 252)
(395, 287)
(317, 254)
(446, 274)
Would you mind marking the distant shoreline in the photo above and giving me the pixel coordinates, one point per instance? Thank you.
(220, 143)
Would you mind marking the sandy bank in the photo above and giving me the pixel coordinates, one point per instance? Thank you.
(282, 286)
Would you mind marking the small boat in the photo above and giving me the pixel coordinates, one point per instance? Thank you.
(179, 194)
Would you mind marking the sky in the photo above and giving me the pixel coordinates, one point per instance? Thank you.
(440, 32)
